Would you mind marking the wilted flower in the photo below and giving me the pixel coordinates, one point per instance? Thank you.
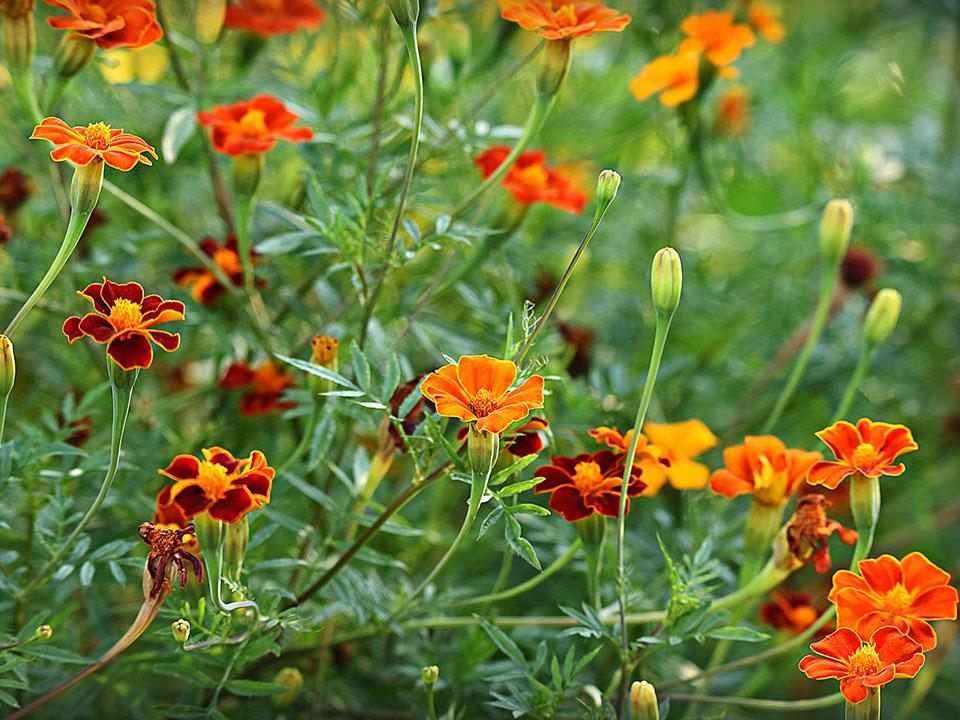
(109, 23)
(562, 20)
(806, 535)
(81, 145)
(253, 126)
(868, 448)
(530, 181)
(166, 552)
(266, 383)
(587, 483)
(273, 17)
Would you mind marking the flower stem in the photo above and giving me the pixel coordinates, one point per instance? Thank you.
(867, 353)
(868, 709)
(23, 86)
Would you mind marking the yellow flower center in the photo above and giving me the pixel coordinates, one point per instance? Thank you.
(897, 600)
(227, 260)
(865, 456)
(125, 315)
(483, 403)
(587, 477)
(213, 479)
(253, 123)
(865, 661)
(566, 15)
(97, 136)
(533, 176)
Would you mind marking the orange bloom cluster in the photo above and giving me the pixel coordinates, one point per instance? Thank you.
(267, 384)
(110, 24)
(531, 181)
(203, 284)
(563, 19)
(868, 449)
(251, 127)
(763, 467)
(273, 17)
(81, 145)
(588, 483)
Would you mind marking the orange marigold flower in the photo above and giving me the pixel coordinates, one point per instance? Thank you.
(477, 390)
(733, 111)
(717, 36)
(790, 611)
(563, 19)
(110, 24)
(675, 77)
(859, 665)
(274, 17)
(765, 19)
(252, 126)
(225, 487)
(125, 321)
(763, 467)
(902, 593)
(869, 448)
(204, 286)
(81, 145)
(587, 483)
(807, 533)
(267, 384)
(531, 181)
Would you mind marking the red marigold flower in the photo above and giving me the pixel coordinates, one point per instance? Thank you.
(675, 77)
(81, 145)
(203, 284)
(273, 17)
(563, 19)
(267, 384)
(124, 320)
(110, 24)
(765, 19)
(807, 533)
(252, 126)
(15, 189)
(225, 487)
(733, 111)
(790, 611)
(579, 340)
(477, 390)
(717, 36)
(587, 483)
(860, 665)
(902, 593)
(763, 467)
(869, 448)
(531, 181)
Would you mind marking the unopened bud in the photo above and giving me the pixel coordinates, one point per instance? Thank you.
(15, 8)
(607, 185)
(19, 40)
(44, 632)
(235, 541)
(85, 187)
(73, 54)
(458, 42)
(835, 228)
(246, 174)
(324, 352)
(882, 316)
(292, 680)
(210, 16)
(643, 702)
(429, 674)
(181, 631)
(8, 366)
(666, 279)
(554, 64)
(405, 12)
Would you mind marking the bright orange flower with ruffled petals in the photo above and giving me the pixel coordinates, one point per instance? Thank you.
(81, 145)
(859, 665)
(675, 77)
(124, 320)
(110, 24)
(716, 35)
(563, 19)
(765, 19)
(531, 181)
(868, 448)
(733, 111)
(273, 17)
(267, 384)
(477, 390)
(790, 611)
(253, 126)
(764, 467)
(903, 593)
(225, 487)
(588, 483)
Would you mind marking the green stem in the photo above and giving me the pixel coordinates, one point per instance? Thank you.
(244, 209)
(3, 415)
(867, 353)
(868, 709)
(431, 705)
(305, 440)
(23, 86)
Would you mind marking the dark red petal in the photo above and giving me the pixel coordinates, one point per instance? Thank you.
(131, 352)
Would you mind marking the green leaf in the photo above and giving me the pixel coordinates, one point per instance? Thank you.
(317, 370)
(739, 633)
(518, 487)
(503, 475)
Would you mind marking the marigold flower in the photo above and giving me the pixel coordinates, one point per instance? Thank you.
(267, 384)
(587, 483)
(859, 665)
(902, 593)
(110, 23)
(869, 448)
(763, 467)
(476, 390)
(807, 533)
(790, 611)
(765, 19)
(125, 321)
(15, 189)
(733, 111)
(563, 19)
(273, 17)
(203, 284)
(531, 181)
(675, 77)
(715, 35)
(859, 267)
(81, 145)
(166, 550)
(251, 127)
(224, 487)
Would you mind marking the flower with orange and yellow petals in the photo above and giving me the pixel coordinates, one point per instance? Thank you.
(903, 593)
(733, 111)
(110, 23)
(716, 35)
(765, 19)
(868, 448)
(790, 611)
(859, 665)
(125, 321)
(204, 286)
(588, 483)
(273, 17)
(563, 19)
(477, 390)
(267, 384)
(531, 181)
(251, 127)
(81, 145)
(679, 443)
(806, 535)
(224, 487)
(675, 77)
(763, 467)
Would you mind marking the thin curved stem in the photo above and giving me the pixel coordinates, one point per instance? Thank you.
(23, 87)
(867, 353)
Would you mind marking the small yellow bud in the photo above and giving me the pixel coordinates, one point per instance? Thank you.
(8, 366)
(554, 64)
(835, 228)
(643, 702)
(44, 632)
(210, 15)
(429, 674)
(405, 12)
(292, 680)
(882, 316)
(18, 40)
(607, 185)
(666, 279)
(181, 631)
(324, 352)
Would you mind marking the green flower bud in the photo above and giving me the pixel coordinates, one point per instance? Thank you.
(643, 702)
(73, 54)
(405, 12)
(85, 187)
(429, 674)
(292, 680)
(666, 279)
(181, 631)
(8, 366)
(835, 228)
(882, 316)
(323, 352)
(607, 185)
(209, 20)
(44, 632)
(554, 64)
(236, 539)
(19, 41)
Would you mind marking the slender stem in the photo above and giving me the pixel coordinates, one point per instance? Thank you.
(3, 415)
(431, 705)
(23, 86)
(867, 353)
(868, 709)
(760, 704)
(245, 207)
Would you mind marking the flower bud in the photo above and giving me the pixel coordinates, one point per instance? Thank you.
(44, 632)
(882, 316)
(835, 228)
(666, 279)
(292, 680)
(15, 8)
(235, 542)
(181, 631)
(429, 674)
(643, 702)
(210, 16)
(483, 447)
(405, 12)
(323, 352)
(8, 366)
(607, 185)
(554, 64)
(85, 187)
(246, 174)
(73, 55)
(19, 41)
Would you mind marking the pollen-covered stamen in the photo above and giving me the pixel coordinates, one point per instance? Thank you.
(125, 315)
(214, 480)
(97, 136)
(587, 476)
(865, 456)
(253, 123)
(897, 600)
(866, 661)
(566, 14)
(483, 403)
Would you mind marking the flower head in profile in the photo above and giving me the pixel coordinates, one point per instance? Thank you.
(868, 448)
(110, 23)
(531, 181)
(224, 487)
(733, 111)
(477, 390)
(807, 533)
(675, 77)
(203, 284)
(273, 17)
(125, 321)
(168, 556)
(265, 384)
(586, 484)
(859, 665)
(563, 19)
(717, 36)
(905, 594)
(251, 127)
(793, 612)
(765, 20)
(763, 467)
(82, 145)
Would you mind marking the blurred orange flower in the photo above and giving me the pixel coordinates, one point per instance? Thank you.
(563, 19)
(763, 467)
(252, 126)
(587, 483)
(531, 181)
(675, 77)
(204, 286)
(267, 385)
(81, 145)
(273, 17)
(790, 611)
(869, 448)
(765, 19)
(733, 111)
(717, 36)
(110, 23)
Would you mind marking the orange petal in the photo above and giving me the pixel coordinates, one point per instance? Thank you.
(482, 372)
